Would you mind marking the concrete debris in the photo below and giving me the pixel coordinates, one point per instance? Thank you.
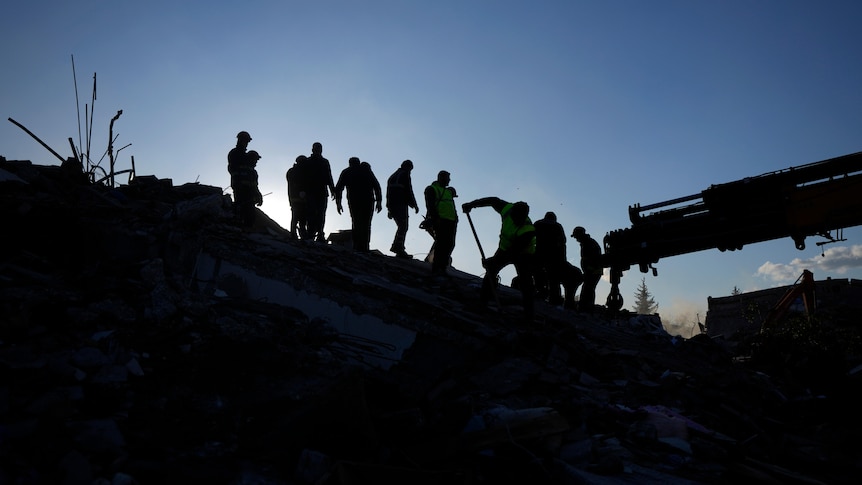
(146, 338)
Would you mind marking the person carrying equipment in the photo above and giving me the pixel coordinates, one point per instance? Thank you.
(442, 216)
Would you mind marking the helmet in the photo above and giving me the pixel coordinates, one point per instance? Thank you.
(243, 135)
(578, 231)
(254, 155)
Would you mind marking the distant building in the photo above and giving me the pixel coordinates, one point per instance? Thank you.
(744, 313)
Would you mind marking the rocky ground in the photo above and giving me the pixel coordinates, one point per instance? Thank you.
(121, 364)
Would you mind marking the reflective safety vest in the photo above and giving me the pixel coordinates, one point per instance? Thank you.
(509, 231)
(445, 202)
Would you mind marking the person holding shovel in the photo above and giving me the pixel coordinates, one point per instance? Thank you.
(517, 246)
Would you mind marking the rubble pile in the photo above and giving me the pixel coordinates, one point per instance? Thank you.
(145, 338)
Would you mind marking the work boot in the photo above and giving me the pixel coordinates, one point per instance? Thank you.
(403, 255)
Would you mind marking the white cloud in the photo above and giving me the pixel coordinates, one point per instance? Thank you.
(841, 259)
(836, 260)
(778, 272)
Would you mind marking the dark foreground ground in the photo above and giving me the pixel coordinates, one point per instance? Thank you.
(122, 362)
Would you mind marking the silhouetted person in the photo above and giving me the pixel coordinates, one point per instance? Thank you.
(245, 189)
(399, 197)
(591, 265)
(363, 196)
(319, 186)
(236, 158)
(298, 198)
(443, 217)
(571, 277)
(550, 258)
(517, 246)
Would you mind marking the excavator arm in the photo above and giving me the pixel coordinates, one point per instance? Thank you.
(798, 202)
(803, 288)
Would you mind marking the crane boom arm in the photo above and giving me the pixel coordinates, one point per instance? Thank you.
(797, 202)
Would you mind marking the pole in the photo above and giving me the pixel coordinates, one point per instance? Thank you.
(19, 125)
(77, 107)
(74, 152)
(476, 236)
(482, 253)
(111, 144)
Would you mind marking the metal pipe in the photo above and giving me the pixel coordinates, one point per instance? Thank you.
(19, 125)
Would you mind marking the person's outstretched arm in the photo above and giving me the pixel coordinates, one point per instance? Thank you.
(495, 202)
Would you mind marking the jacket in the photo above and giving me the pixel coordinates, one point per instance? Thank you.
(520, 239)
(440, 202)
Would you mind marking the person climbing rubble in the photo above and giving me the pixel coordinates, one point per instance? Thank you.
(363, 196)
(297, 196)
(319, 186)
(400, 197)
(591, 265)
(442, 216)
(517, 246)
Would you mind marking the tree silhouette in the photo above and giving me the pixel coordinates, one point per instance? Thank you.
(736, 291)
(644, 302)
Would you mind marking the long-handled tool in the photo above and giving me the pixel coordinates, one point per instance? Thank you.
(482, 253)
(476, 236)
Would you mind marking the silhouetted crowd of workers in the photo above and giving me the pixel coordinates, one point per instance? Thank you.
(536, 250)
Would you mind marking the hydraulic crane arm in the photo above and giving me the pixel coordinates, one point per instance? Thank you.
(808, 200)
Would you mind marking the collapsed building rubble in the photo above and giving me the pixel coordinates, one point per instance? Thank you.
(144, 338)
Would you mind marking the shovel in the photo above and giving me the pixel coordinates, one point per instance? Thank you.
(482, 253)
(476, 236)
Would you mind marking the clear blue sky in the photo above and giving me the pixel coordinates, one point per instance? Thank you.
(582, 108)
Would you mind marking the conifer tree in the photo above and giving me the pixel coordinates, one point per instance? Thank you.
(644, 302)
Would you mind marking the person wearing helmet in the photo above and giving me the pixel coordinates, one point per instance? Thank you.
(236, 156)
(236, 159)
(245, 189)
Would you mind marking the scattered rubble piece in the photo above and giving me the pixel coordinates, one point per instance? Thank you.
(144, 338)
